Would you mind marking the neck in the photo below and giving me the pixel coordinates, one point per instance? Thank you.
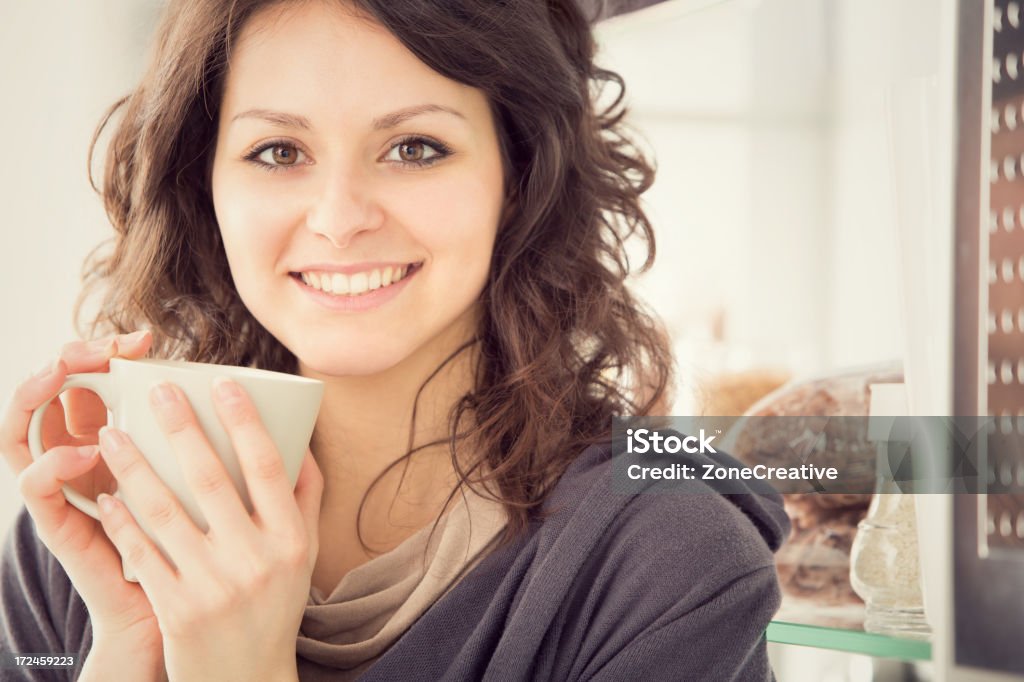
(364, 426)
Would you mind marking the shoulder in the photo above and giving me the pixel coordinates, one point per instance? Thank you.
(637, 573)
(678, 548)
(745, 528)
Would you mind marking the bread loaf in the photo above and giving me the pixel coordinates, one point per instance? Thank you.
(814, 564)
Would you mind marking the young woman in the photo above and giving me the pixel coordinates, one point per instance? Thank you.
(419, 204)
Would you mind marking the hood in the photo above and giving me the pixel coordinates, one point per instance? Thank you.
(602, 471)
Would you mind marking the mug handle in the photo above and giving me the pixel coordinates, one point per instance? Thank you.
(101, 385)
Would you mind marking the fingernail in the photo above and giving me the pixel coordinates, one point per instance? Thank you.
(87, 451)
(111, 439)
(226, 389)
(48, 370)
(134, 337)
(107, 503)
(105, 346)
(164, 394)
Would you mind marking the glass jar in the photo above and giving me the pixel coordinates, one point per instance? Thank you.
(885, 569)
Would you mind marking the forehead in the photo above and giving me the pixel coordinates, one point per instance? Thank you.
(325, 57)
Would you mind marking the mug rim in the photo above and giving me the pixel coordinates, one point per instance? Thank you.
(251, 372)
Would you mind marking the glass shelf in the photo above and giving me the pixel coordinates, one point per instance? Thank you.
(824, 630)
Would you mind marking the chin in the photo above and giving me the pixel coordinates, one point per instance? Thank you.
(337, 360)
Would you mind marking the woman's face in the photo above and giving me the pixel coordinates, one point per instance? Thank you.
(358, 192)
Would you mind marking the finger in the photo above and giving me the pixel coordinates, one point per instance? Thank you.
(78, 356)
(54, 429)
(207, 478)
(134, 345)
(139, 552)
(88, 356)
(41, 483)
(74, 538)
(94, 356)
(54, 434)
(30, 394)
(157, 507)
(43, 387)
(270, 490)
(86, 413)
(309, 488)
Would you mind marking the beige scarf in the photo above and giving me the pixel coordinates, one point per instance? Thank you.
(375, 603)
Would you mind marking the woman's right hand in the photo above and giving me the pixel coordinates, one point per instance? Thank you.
(120, 613)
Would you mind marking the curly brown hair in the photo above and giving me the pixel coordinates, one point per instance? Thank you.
(563, 344)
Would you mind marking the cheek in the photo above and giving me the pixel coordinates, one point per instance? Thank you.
(254, 225)
(455, 219)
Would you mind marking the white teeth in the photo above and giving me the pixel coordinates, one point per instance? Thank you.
(353, 285)
(339, 283)
(359, 283)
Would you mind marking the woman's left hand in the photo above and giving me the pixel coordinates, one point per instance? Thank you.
(231, 607)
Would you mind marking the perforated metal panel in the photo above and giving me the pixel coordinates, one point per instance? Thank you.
(988, 374)
(1002, 508)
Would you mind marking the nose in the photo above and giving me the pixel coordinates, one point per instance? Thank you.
(344, 208)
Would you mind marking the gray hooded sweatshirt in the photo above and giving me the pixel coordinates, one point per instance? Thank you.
(604, 586)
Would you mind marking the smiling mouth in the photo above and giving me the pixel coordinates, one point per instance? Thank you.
(356, 284)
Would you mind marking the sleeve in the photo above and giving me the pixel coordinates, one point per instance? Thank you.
(723, 639)
(40, 613)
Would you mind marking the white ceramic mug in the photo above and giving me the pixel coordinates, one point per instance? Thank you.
(287, 404)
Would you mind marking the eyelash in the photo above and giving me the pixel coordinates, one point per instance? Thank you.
(441, 148)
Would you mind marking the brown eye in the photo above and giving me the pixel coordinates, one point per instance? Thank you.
(411, 151)
(276, 156)
(417, 152)
(284, 155)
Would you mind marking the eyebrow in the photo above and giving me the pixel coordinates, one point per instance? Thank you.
(395, 118)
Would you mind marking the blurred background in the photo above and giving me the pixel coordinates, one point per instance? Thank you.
(771, 122)
(773, 203)
(62, 64)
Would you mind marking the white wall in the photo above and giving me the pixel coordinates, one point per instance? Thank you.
(774, 203)
(61, 64)
(734, 98)
(882, 49)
